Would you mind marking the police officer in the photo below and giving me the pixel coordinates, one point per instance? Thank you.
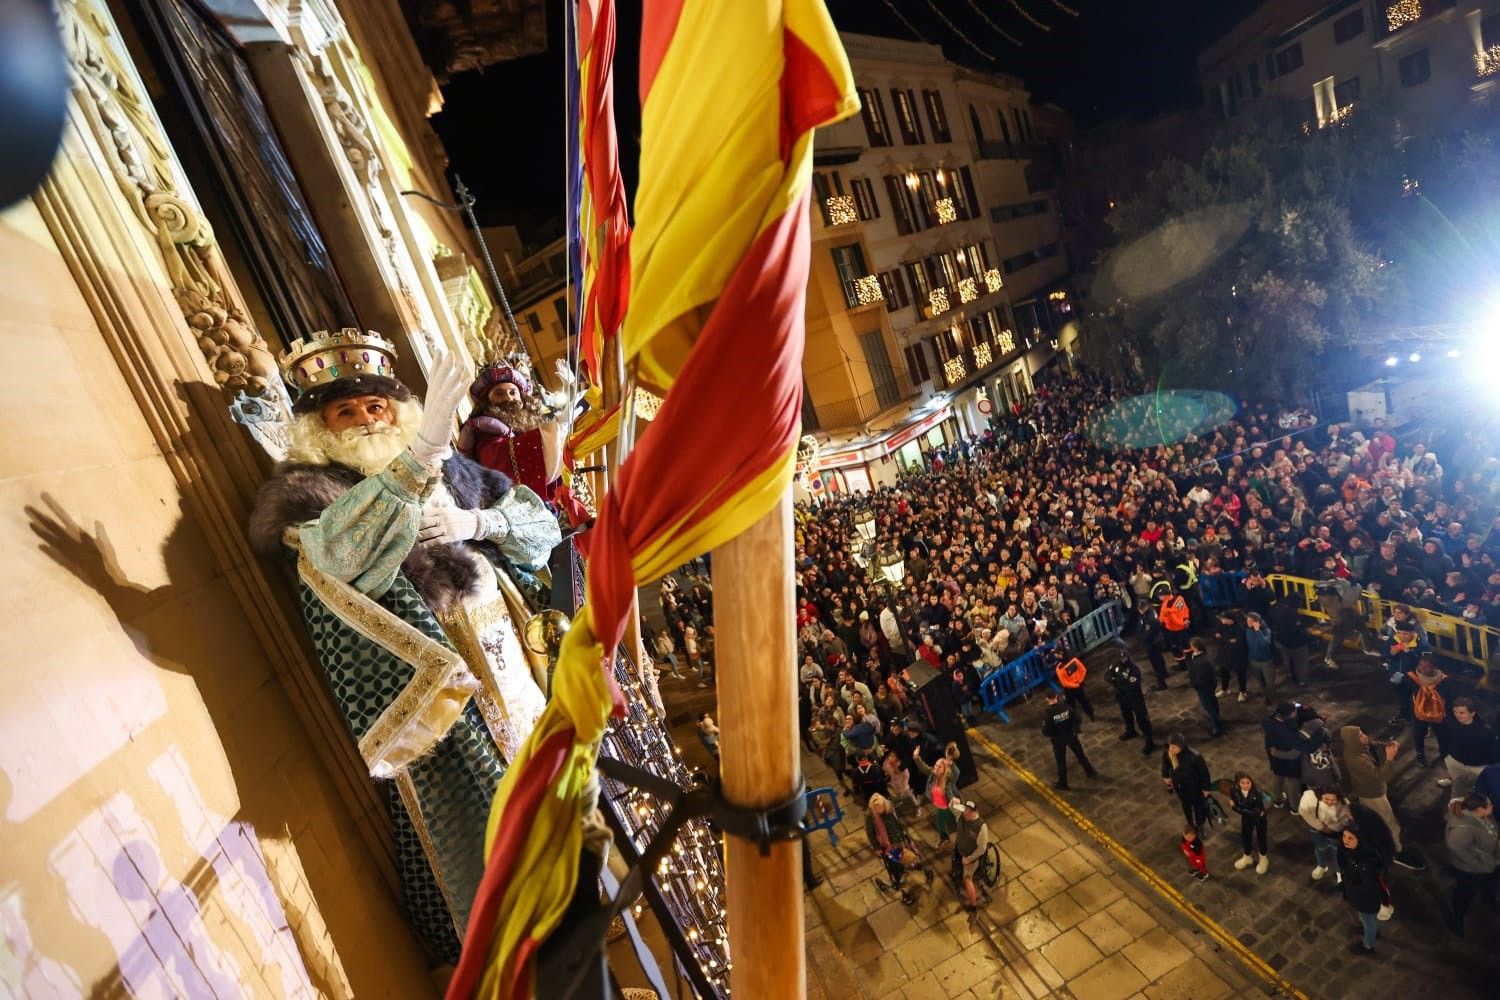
(1061, 727)
(1125, 677)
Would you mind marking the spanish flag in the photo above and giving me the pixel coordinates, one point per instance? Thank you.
(731, 93)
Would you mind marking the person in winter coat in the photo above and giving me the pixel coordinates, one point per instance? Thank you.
(1326, 814)
(1360, 869)
(1202, 678)
(1249, 801)
(1260, 654)
(1319, 765)
(1286, 747)
(1425, 694)
(1291, 637)
(1155, 642)
(1403, 653)
(1229, 650)
(1374, 834)
(1474, 853)
(1367, 767)
(1471, 746)
(1125, 678)
(898, 781)
(1185, 773)
(1339, 599)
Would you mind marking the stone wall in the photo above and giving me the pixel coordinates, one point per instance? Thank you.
(168, 826)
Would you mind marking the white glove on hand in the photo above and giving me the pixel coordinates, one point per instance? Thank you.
(447, 384)
(441, 525)
(565, 399)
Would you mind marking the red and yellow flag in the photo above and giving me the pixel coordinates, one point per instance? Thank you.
(730, 96)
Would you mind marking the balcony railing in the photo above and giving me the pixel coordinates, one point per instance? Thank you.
(893, 389)
(1401, 15)
(863, 291)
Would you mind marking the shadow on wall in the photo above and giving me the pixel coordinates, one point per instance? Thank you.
(233, 914)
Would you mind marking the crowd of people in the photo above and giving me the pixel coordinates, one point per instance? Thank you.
(1010, 539)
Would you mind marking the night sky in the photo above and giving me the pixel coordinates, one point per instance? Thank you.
(504, 127)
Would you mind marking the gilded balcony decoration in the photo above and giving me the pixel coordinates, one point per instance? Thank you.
(840, 209)
(983, 357)
(954, 370)
(968, 289)
(868, 290)
(1487, 63)
(646, 404)
(1401, 13)
(1007, 342)
(992, 282)
(937, 300)
(946, 213)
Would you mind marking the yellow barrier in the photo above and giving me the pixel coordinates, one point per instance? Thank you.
(1450, 635)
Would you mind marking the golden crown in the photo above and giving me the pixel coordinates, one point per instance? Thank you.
(327, 357)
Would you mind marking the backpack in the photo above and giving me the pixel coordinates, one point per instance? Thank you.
(1427, 704)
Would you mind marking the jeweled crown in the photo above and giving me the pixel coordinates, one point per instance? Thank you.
(326, 357)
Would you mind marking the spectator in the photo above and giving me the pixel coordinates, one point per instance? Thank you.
(937, 794)
(1424, 697)
(1286, 746)
(1359, 866)
(1326, 814)
(708, 733)
(1259, 653)
(1197, 857)
(1471, 746)
(1473, 853)
(1250, 802)
(1185, 773)
(1291, 639)
(898, 781)
(1368, 767)
(971, 842)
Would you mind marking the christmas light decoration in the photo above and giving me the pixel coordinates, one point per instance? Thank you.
(1338, 116)
(1064, 8)
(1007, 342)
(954, 370)
(992, 282)
(968, 289)
(1401, 13)
(909, 26)
(937, 300)
(646, 404)
(982, 356)
(868, 290)
(1487, 63)
(840, 209)
(995, 27)
(946, 213)
(961, 36)
(1040, 26)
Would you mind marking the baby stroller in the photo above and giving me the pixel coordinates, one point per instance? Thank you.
(901, 861)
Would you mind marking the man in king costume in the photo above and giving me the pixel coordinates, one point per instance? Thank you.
(403, 552)
(514, 430)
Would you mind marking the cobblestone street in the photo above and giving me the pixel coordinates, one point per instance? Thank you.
(1299, 928)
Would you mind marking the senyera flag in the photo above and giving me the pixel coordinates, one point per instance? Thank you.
(606, 223)
(731, 93)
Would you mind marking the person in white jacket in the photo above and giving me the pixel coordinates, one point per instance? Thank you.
(1326, 814)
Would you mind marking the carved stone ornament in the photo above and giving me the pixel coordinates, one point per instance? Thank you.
(111, 100)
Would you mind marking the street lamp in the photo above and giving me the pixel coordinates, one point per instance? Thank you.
(891, 566)
(864, 523)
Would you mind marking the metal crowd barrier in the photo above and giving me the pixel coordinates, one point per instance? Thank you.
(1032, 670)
(1222, 590)
(823, 812)
(1449, 635)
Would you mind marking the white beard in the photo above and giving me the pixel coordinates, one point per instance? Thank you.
(369, 449)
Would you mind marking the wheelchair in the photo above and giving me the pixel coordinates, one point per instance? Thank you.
(986, 873)
(898, 873)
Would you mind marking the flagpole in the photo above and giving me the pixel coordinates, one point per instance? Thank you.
(760, 764)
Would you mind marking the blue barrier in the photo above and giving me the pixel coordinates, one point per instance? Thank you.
(823, 812)
(1032, 670)
(1222, 590)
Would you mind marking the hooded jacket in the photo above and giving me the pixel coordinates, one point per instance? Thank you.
(1191, 773)
(1285, 746)
(1473, 843)
(1319, 816)
(1366, 771)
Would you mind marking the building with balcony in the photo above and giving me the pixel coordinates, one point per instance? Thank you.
(936, 290)
(1429, 56)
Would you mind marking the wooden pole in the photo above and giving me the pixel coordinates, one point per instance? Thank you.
(760, 763)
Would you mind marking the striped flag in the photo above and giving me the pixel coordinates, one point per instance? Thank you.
(731, 93)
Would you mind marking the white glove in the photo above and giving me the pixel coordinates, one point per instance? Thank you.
(441, 525)
(565, 399)
(447, 384)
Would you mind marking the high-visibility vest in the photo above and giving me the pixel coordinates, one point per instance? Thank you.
(1174, 613)
(1072, 673)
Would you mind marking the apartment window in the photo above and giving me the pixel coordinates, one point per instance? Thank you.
(1004, 128)
(921, 286)
(1020, 210)
(1270, 66)
(872, 109)
(906, 117)
(1349, 27)
(1346, 93)
(894, 289)
(980, 327)
(936, 116)
(561, 305)
(1289, 58)
(971, 197)
(1254, 74)
(826, 186)
(895, 189)
(534, 321)
(1022, 261)
(1414, 69)
(864, 199)
(849, 260)
(878, 361)
(916, 364)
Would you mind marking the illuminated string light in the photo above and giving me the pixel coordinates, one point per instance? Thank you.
(1401, 13)
(961, 36)
(992, 281)
(1487, 63)
(909, 26)
(1064, 8)
(937, 300)
(1007, 341)
(840, 209)
(982, 356)
(946, 212)
(995, 27)
(868, 290)
(968, 290)
(1039, 25)
(954, 370)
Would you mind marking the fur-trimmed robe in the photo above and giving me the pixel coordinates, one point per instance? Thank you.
(298, 492)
